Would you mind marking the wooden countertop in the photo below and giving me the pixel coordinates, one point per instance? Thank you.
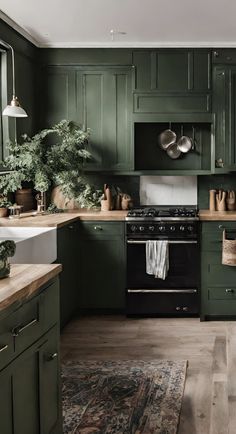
(24, 280)
(61, 219)
(207, 215)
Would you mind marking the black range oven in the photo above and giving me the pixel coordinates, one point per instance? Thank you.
(178, 294)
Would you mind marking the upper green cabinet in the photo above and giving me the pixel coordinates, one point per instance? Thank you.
(98, 98)
(224, 107)
(172, 81)
(168, 70)
(104, 101)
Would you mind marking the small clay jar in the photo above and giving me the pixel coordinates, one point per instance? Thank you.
(3, 212)
(105, 205)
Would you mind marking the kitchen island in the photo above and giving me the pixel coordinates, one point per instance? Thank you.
(29, 350)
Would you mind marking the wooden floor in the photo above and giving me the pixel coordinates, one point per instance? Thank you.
(209, 404)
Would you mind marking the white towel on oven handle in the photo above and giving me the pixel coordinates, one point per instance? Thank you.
(157, 258)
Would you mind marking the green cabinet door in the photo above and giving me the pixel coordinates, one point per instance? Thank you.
(104, 101)
(50, 385)
(68, 246)
(224, 107)
(218, 281)
(102, 265)
(58, 96)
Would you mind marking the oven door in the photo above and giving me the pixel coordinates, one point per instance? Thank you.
(176, 295)
(183, 266)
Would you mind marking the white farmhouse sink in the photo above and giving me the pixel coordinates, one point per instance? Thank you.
(34, 245)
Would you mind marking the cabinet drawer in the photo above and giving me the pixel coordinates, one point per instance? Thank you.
(217, 301)
(222, 293)
(6, 344)
(213, 272)
(27, 324)
(212, 233)
(101, 229)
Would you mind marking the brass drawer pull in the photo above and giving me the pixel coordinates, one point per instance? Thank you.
(97, 228)
(185, 308)
(17, 330)
(229, 291)
(3, 348)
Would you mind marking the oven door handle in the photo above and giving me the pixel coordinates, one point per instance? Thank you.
(169, 241)
(158, 291)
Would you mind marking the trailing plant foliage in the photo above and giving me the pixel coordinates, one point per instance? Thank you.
(54, 156)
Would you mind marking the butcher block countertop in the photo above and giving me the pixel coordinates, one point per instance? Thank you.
(207, 215)
(61, 219)
(24, 280)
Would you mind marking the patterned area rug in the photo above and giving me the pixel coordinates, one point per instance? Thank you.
(125, 397)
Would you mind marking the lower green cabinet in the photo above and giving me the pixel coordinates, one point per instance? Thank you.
(218, 281)
(102, 266)
(30, 380)
(68, 246)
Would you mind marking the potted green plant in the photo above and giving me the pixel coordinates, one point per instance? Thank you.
(4, 204)
(52, 157)
(7, 249)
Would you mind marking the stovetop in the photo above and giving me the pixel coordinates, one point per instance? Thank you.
(155, 213)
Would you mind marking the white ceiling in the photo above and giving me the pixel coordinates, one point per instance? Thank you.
(148, 23)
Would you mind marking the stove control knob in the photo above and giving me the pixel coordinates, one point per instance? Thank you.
(133, 228)
(141, 228)
(182, 228)
(190, 228)
(172, 228)
(151, 228)
(162, 228)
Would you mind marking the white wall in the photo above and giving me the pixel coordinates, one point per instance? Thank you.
(168, 190)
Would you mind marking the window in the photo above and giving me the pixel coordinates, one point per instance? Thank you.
(4, 124)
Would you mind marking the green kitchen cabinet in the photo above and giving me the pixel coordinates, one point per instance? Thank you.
(172, 81)
(218, 282)
(104, 101)
(102, 262)
(98, 98)
(29, 371)
(224, 107)
(68, 247)
(172, 70)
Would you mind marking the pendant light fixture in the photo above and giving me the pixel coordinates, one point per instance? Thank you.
(13, 109)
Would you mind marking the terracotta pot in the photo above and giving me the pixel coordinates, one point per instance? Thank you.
(24, 197)
(3, 212)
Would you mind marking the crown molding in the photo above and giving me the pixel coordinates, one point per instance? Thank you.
(218, 44)
(18, 28)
